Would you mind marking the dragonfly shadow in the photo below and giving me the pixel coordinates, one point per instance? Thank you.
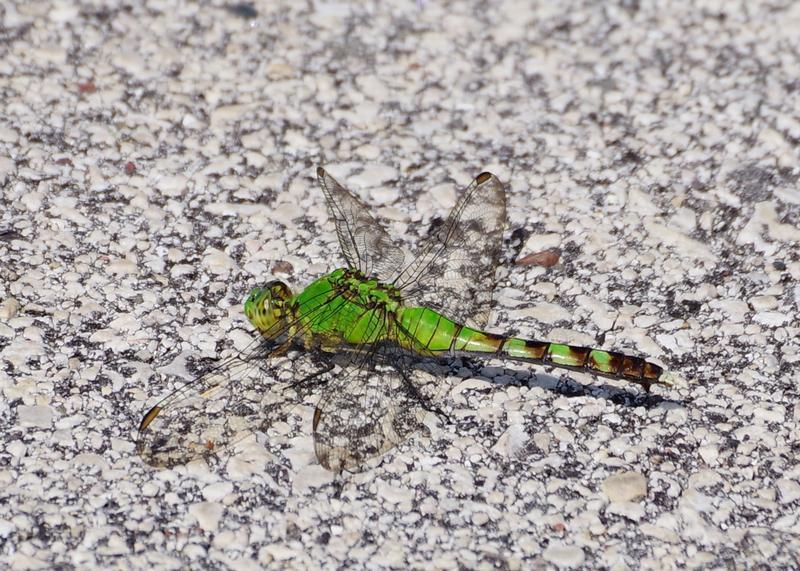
(618, 394)
(621, 393)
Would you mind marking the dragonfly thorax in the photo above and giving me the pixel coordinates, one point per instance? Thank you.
(267, 307)
(369, 293)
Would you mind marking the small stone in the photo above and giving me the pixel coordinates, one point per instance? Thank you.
(120, 445)
(9, 308)
(102, 336)
(480, 518)
(8, 135)
(374, 175)
(36, 415)
(542, 441)
(443, 194)
(564, 556)
(677, 416)
(215, 492)
(775, 413)
(90, 460)
(709, 453)
(217, 261)
(562, 434)
(645, 321)
(311, 476)
(688, 247)
(62, 13)
(16, 448)
(545, 312)
(684, 219)
(789, 490)
(179, 270)
(693, 499)
(538, 242)
(591, 410)
(207, 514)
(172, 185)
(660, 533)
(189, 121)
(736, 309)
(633, 511)
(368, 152)
(123, 267)
(279, 70)
(395, 495)
(280, 551)
(149, 489)
(512, 441)
(6, 527)
(771, 318)
(7, 166)
(764, 302)
(618, 446)
(625, 487)
(704, 478)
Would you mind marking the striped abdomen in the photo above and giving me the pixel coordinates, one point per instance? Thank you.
(435, 333)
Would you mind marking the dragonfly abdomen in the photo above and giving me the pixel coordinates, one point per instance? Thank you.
(434, 333)
(596, 361)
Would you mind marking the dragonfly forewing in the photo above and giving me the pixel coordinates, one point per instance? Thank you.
(243, 394)
(365, 245)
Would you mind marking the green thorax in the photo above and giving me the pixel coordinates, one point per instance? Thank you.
(346, 307)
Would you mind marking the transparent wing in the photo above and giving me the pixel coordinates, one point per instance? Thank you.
(215, 411)
(455, 270)
(373, 403)
(365, 245)
(245, 392)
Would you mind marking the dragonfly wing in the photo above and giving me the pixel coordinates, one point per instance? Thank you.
(365, 245)
(455, 271)
(219, 408)
(372, 404)
(243, 393)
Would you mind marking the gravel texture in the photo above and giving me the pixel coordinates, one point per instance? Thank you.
(156, 162)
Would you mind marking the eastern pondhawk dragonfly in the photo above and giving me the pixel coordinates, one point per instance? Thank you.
(369, 332)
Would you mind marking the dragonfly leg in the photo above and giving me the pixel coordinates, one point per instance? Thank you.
(338, 485)
(425, 402)
(311, 379)
(438, 411)
(311, 376)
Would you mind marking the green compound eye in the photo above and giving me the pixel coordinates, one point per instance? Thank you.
(251, 303)
(265, 307)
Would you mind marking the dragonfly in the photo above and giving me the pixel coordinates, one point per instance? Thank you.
(370, 335)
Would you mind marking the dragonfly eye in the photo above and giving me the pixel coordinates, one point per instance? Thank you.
(279, 291)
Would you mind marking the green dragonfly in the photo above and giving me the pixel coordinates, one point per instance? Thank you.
(371, 334)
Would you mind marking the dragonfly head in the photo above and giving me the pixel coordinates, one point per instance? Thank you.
(266, 309)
